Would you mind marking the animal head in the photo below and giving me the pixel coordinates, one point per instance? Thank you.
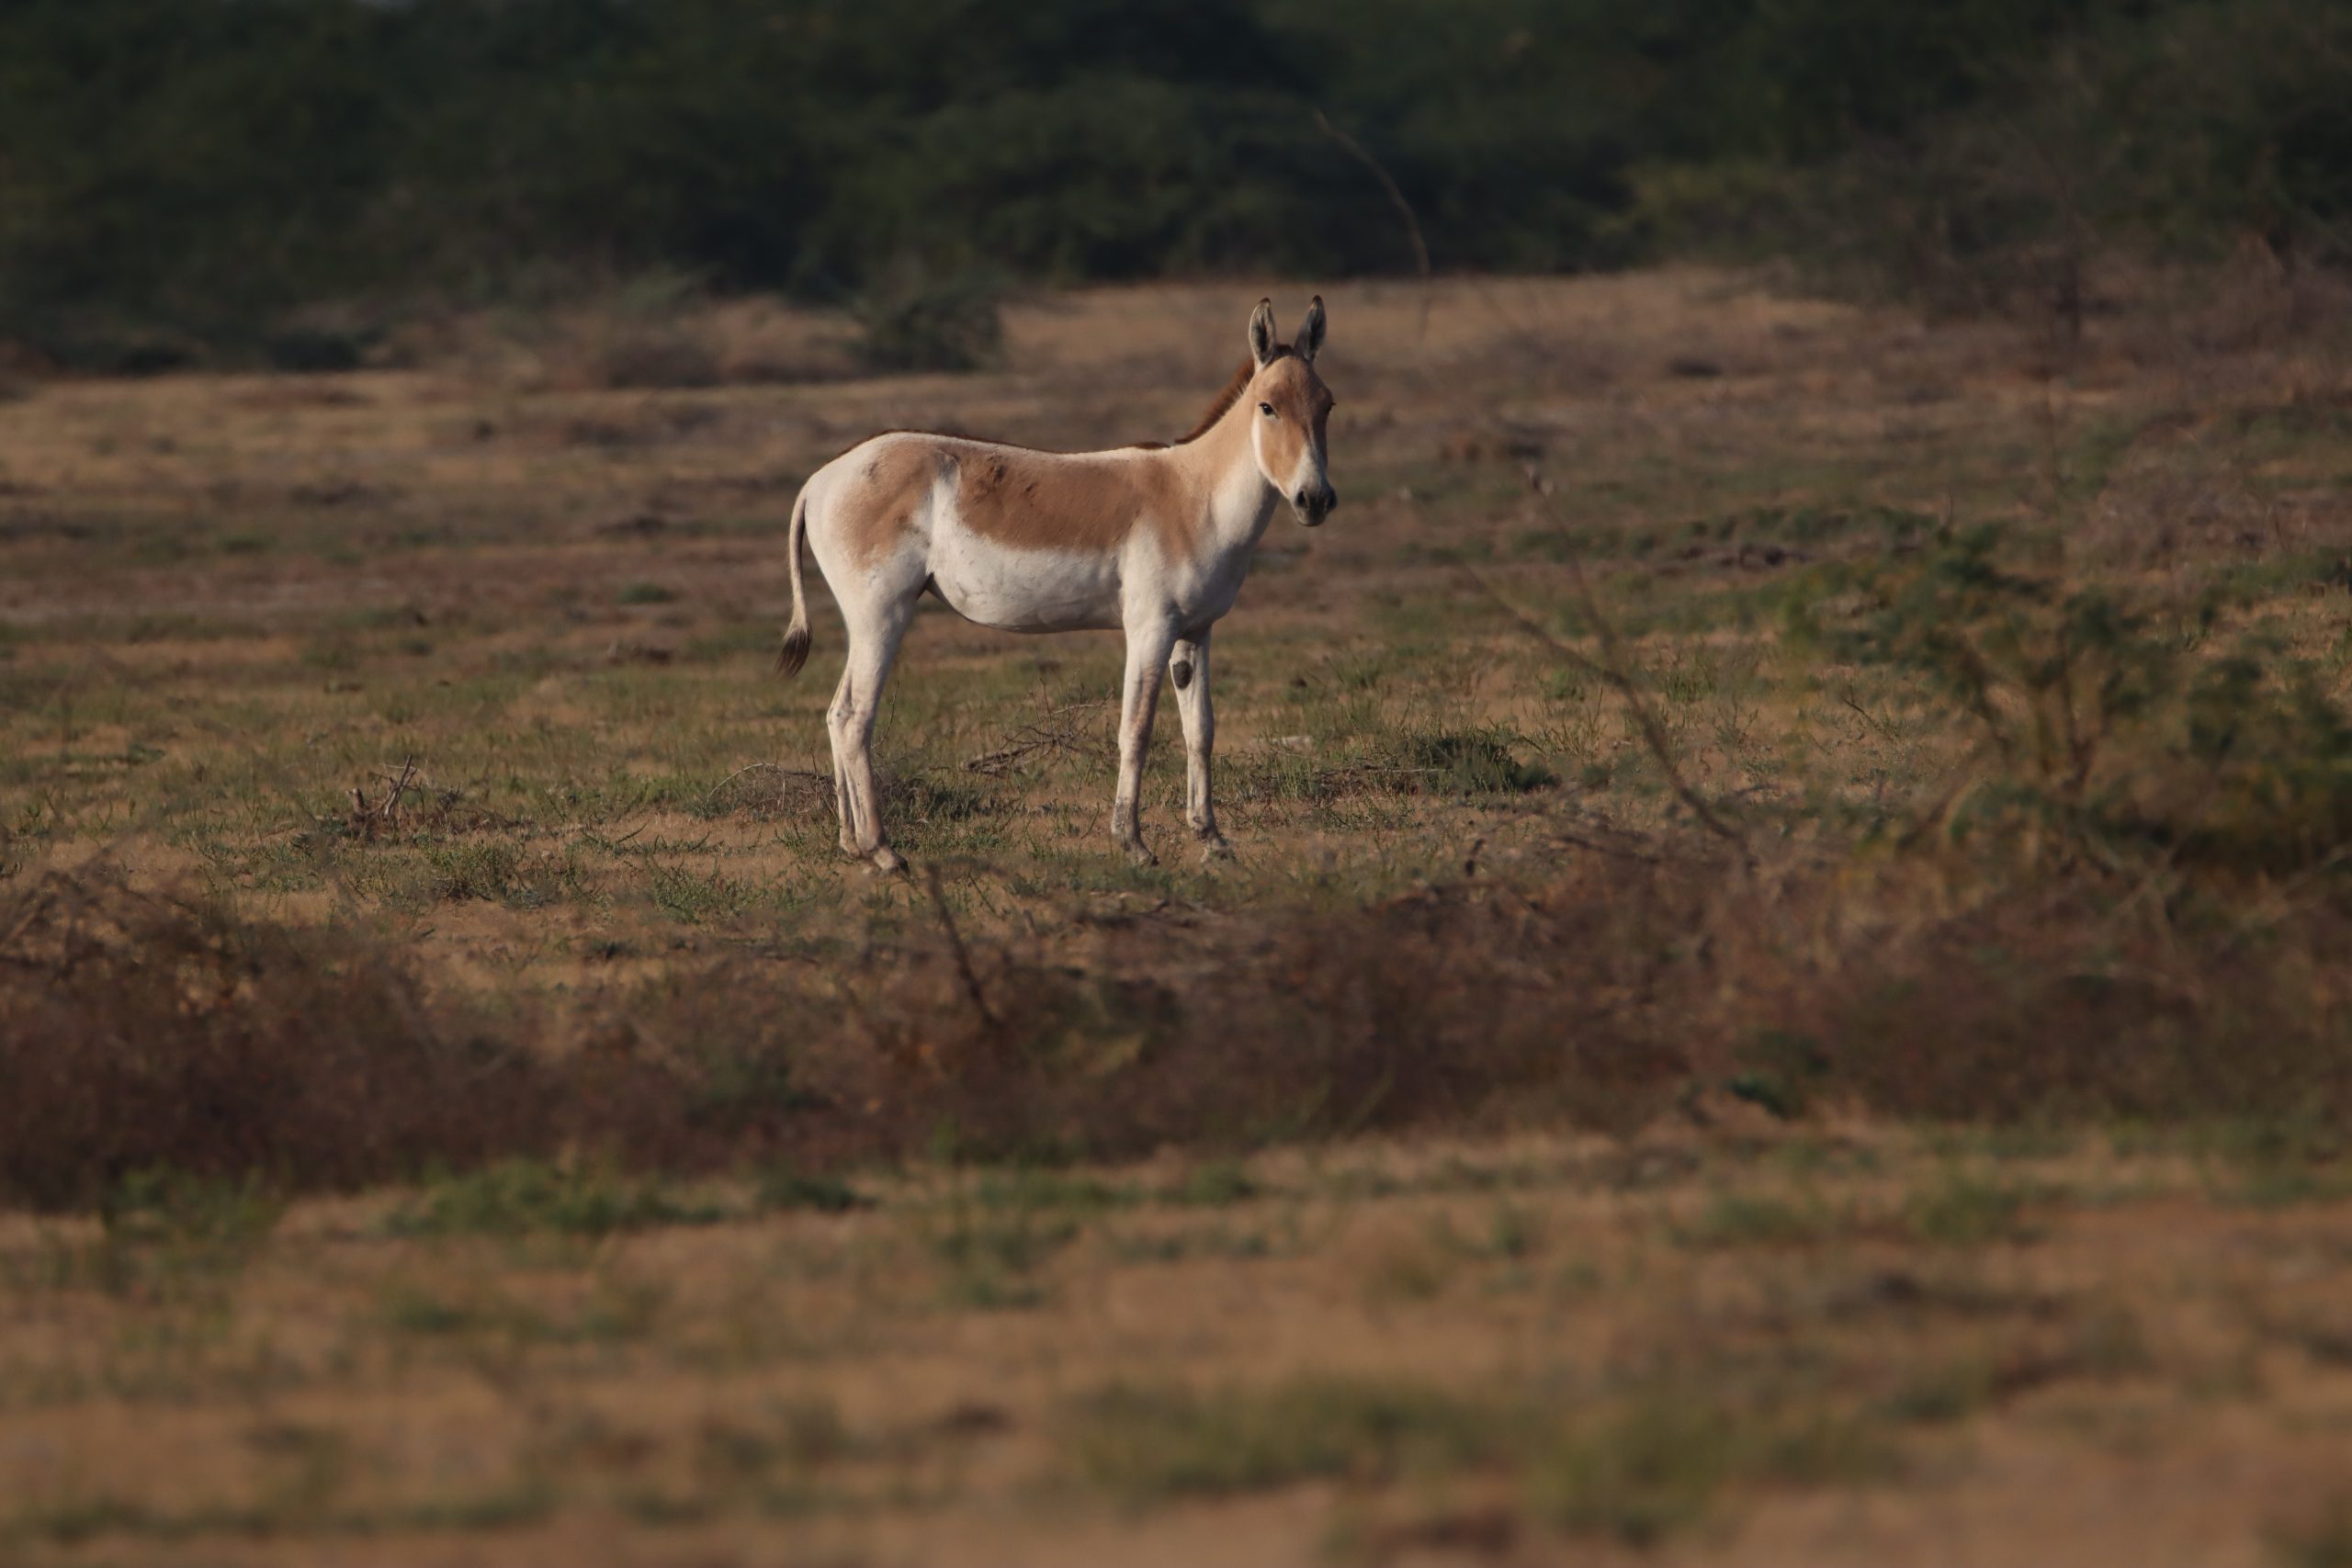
(1288, 406)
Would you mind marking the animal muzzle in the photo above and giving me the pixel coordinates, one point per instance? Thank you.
(1314, 502)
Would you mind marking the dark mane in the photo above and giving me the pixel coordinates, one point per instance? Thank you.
(1224, 400)
(1231, 395)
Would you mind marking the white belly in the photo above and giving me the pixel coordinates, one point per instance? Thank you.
(1023, 590)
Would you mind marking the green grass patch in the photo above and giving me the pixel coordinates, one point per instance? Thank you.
(1736, 1218)
(1961, 1209)
(1148, 1444)
(530, 1197)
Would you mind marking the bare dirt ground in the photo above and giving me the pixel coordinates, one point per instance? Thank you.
(527, 616)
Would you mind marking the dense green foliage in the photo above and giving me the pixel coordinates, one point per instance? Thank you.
(202, 167)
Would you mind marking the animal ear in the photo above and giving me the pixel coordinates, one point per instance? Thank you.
(1310, 334)
(1262, 332)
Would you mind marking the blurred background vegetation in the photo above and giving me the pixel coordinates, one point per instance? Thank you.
(273, 180)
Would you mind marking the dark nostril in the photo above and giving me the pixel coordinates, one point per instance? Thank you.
(1299, 501)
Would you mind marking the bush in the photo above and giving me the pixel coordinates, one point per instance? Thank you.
(2106, 727)
(2188, 131)
(140, 1032)
(914, 320)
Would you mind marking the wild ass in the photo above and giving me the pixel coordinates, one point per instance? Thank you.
(1155, 540)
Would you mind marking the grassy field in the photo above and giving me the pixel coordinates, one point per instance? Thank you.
(1780, 1001)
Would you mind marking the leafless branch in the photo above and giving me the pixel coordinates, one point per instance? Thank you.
(783, 775)
(963, 955)
(1612, 668)
(1059, 730)
(1355, 150)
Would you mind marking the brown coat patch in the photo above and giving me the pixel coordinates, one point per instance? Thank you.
(1030, 500)
(1081, 501)
(892, 478)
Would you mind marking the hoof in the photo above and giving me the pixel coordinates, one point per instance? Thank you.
(886, 859)
(1214, 849)
(1138, 855)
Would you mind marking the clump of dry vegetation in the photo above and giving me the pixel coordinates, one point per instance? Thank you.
(147, 1032)
(1979, 971)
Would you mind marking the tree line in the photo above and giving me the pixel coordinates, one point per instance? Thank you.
(197, 173)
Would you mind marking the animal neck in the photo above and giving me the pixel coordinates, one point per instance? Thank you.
(1223, 467)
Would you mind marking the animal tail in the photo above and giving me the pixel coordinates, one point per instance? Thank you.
(795, 652)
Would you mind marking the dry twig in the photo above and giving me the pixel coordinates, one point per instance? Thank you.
(963, 955)
(1355, 150)
(367, 821)
(1060, 730)
(1612, 668)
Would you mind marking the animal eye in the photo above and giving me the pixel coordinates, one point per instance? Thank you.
(1266, 409)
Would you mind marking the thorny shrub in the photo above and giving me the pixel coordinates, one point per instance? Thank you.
(2112, 727)
(141, 1031)
(139, 1034)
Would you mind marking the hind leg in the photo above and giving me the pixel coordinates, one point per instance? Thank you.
(874, 633)
(842, 803)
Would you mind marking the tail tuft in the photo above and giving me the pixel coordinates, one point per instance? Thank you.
(794, 653)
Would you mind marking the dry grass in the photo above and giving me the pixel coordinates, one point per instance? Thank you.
(1669, 754)
(553, 1362)
(144, 1034)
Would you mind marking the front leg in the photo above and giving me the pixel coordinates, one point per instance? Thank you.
(1188, 666)
(1148, 646)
